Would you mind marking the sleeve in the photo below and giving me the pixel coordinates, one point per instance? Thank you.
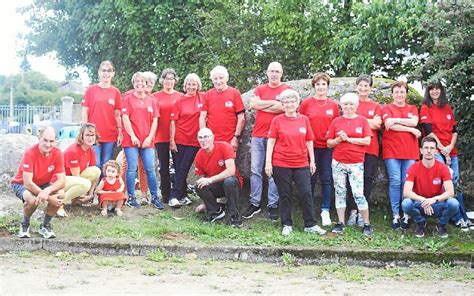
(28, 162)
(228, 152)
(378, 110)
(309, 130)
(59, 163)
(445, 174)
(411, 172)
(198, 164)
(273, 131)
(451, 112)
(414, 110)
(425, 116)
(239, 103)
(386, 113)
(176, 110)
(71, 160)
(257, 91)
(427, 128)
(87, 97)
(126, 107)
(92, 160)
(367, 129)
(118, 100)
(336, 111)
(156, 108)
(303, 107)
(205, 107)
(331, 133)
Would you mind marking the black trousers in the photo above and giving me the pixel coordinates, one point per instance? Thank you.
(370, 165)
(229, 187)
(184, 159)
(163, 151)
(302, 177)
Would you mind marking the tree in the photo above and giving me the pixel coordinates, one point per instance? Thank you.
(449, 29)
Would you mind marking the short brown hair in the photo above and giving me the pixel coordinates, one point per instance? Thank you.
(399, 84)
(318, 76)
(428, 139)
(114, 164)
(84, 127)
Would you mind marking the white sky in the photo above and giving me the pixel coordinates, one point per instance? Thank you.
(12, 24)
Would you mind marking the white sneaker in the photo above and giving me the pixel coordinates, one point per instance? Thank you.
(315, 229)
(24, 232)
(360, 221)
(185, 201)
(325, 218)
(286, 230)
(174, 203)
(352, 218)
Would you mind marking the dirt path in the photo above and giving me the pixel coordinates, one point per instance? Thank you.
(67, 274)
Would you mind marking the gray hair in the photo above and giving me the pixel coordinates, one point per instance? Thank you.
(192, 77)
(350, 98)
(364, 77)
(289, 93)
(167, 71)
(150, 76)
(219, 69)
(138, 74)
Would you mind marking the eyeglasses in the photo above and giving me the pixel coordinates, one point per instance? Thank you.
(274, 71)
(107, 70)
(288, 102)
(205, 137)
(169, 79)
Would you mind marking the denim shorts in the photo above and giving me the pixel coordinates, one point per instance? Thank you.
(19, 189)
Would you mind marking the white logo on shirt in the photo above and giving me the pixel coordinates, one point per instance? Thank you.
(51, 168)
(329, 112)
(358, 130)
(111, 101)
(221, 162)
(448, 116)
(371, 112)
(436, 181)
(199, 105)
(384, 115)
(124, 109)
(423, 117)
(83, 101)
(409, 114)
(172, 114)
(303, 130)
(150, 109)
(25, 165)
(229, 104)
(74, 161)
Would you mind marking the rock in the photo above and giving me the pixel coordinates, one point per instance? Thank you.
(12, 148)
(191, 256)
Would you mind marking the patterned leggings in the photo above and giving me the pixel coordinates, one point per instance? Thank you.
(355, 172)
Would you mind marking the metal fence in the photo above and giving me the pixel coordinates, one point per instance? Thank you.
(14, 120)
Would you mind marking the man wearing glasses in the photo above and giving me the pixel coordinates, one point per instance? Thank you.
(215, 163)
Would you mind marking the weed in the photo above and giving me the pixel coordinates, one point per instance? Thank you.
(158, 255)
(150, 271)
(435, 245)
(24, 254)
(288, 259)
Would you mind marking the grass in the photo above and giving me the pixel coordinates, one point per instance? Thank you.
(184, 227)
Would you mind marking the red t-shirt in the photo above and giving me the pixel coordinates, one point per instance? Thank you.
(211, 164)
(43, 167)
(357, 127)
(102, 103)
(222, 108)
(165, 103)
(370, 109)
(75, 157)
(428, 182)
(291, 135)
(320, 114)
(399, 145)
(442, 122)
(186, 113)
(141, 113)
(264, 119)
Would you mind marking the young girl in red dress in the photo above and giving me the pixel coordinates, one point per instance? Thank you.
(110, 189)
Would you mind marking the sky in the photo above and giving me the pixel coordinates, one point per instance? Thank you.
(12, 24)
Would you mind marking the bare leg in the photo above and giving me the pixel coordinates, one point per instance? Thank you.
(365, 215)
(341, 214)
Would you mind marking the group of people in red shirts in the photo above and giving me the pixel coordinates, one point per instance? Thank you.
(291, 143)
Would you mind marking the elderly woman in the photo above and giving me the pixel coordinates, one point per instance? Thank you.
(349, 135)
(372, 111)
(165, 100)
(101, 106)
(140, 119)
(399, 147)
(321, 111)
(80, 167)
(437, 120)
(183, 140)
(290, 157)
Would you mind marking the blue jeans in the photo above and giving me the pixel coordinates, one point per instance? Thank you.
(442, 210)
(258, 151)
(396, 171)
(148, 159)
(103, 153)
(184, 160)
(454, 166)
(323, 160)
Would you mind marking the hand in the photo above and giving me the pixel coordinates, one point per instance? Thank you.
(269, 169)
(173, 147)
(389, 122)
(55, 201)
(147, 142)
(312, 168)
(42, 197)
(428, 210)
(343, 136)
(234, 143)
(446, 150)
(135, 141)
(448, 160)
(416, 132)
(427, 205)
(119, 138)
(203, 182)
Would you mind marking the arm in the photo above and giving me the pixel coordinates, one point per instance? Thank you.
(409, 193)
(333, 142)
(229, 171)
(408, 122)
(270, 106)
(42, 195)
(446, 150)
(269, 154)
(118, 120)
(122, 185)
(375, 123)
(403, 128)
(359, 141)
(202, 119)
(173, 147)
(312, 165)
(128, 127)
(150, 136)
(238, 130)
(85, 115)
(100, 188)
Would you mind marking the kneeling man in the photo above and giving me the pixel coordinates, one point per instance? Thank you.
(215, 163)
(429, 191)
(40, 179)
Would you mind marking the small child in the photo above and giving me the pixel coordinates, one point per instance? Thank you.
(110, 188)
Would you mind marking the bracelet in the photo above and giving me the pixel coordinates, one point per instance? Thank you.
(237, 136)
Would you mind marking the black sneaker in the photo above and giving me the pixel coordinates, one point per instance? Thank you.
(395, 223)
(236, 221)
(367, 230)
(405, 223)
(273, 214)
(217, 215)
(462, 225)
(442, 230)
(250, 211)
(420, 229)
(339, 228)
